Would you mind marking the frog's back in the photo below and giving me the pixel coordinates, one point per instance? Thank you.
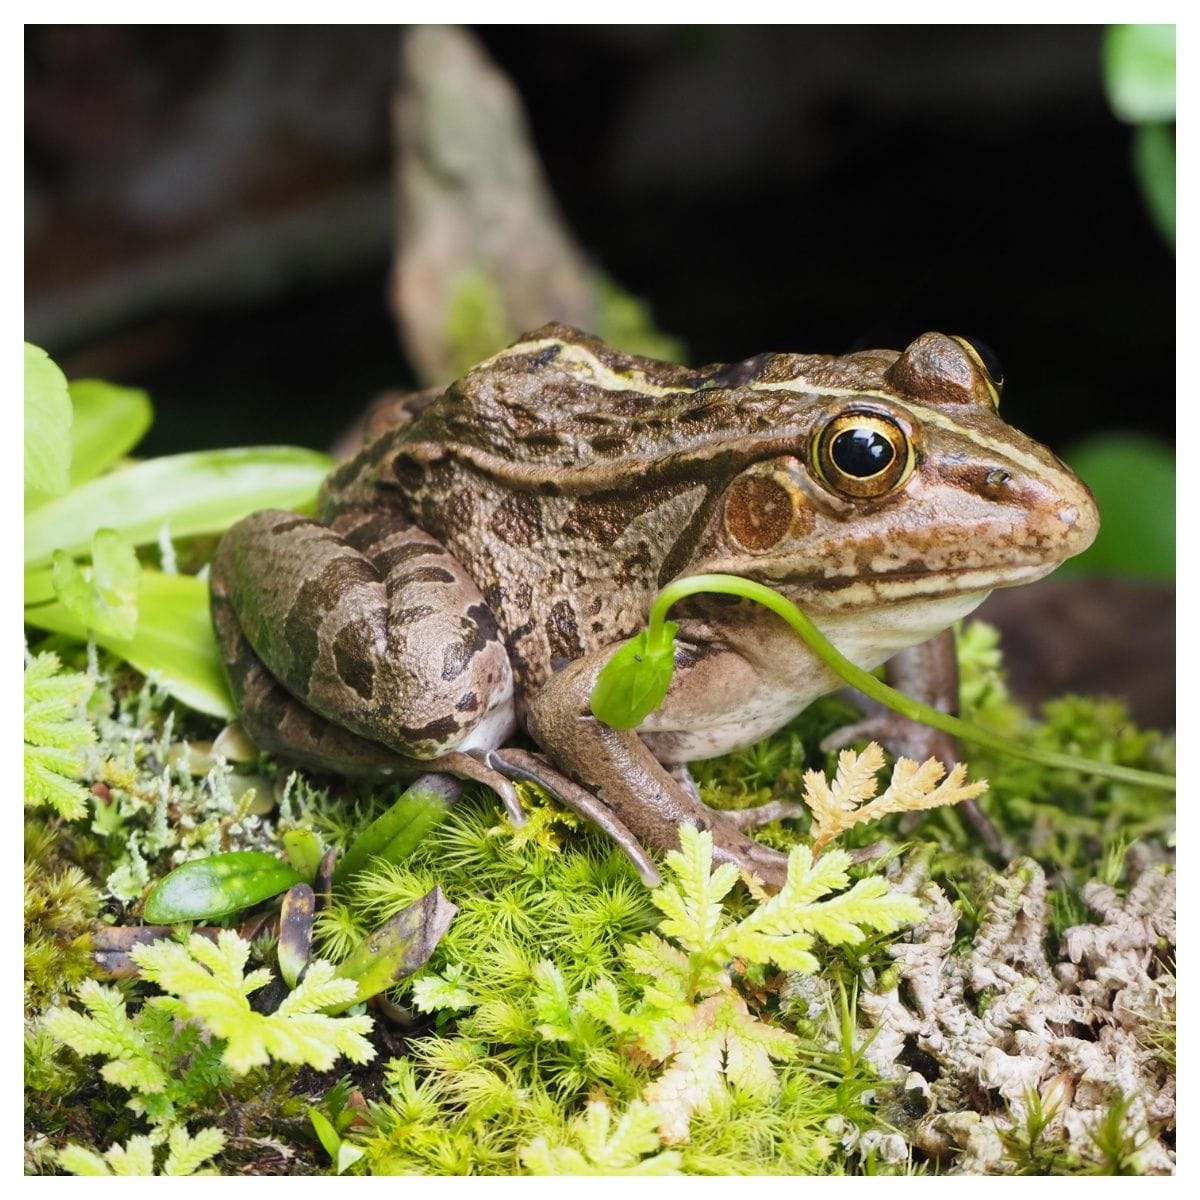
(562, 407)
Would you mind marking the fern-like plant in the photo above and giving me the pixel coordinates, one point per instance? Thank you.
(57, 735)
(691, 1018)
(851, 800)
(185, 1154)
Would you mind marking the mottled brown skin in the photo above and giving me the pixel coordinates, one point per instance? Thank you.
(473, 567)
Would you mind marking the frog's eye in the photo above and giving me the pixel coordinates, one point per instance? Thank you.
(985, 359)
(863, 455)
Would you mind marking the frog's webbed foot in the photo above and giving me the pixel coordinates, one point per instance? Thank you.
(618, 770)
(929, 673)
(533, 768)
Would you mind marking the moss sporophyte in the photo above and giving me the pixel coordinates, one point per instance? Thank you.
(635, 680)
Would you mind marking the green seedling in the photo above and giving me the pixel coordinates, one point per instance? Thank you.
(634, 681)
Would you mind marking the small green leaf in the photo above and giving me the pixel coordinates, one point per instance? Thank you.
(189, 494)
(304, 851)
(1139, 62)
(220, 884)
(634, 681)
(109, 421)
(47, 425)
(394, 835)
(398, 948)
(105, 597)
(174, 640)
(326, 1132)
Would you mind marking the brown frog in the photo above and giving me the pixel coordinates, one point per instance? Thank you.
(474, 566)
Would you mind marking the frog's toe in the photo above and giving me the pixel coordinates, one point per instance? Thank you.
(764, 814)
(532, 768)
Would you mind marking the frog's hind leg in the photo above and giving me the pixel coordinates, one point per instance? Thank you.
(373, 625)
(280, 724)
(617, 767)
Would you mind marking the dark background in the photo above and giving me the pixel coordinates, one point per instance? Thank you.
(208, 208)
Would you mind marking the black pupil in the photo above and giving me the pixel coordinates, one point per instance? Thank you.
(861, 452)
(987, 356)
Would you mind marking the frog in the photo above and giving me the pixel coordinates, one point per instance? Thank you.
(466, 575)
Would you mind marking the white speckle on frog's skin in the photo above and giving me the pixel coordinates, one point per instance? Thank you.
(1068, 514)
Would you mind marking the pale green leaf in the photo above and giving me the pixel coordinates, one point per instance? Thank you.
(109, 421)
(47, 425)
(202, 492)
(187, 1153)
(102, 597)
(79, 1161)
(1139, 63)
(174, 642)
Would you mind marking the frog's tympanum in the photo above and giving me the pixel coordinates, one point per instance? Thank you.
(472, 569)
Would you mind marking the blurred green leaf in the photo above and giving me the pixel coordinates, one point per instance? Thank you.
(1133, 478)
(109, 421)
(174, 640)
(47, 425)
(1154, 165)
(104, 598)
(1139, 71)
(204, 492)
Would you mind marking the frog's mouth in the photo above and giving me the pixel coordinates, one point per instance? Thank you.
(871, 589)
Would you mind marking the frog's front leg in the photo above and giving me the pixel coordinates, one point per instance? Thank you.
(619, 769)
(369, 623)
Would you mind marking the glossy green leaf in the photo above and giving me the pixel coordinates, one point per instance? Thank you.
(633, 683)
(174, 640)
(214, 886)
(109, 421)
(204, 492)
(399, 947)
(395, 834)
(104, 596)
(47, 425)
(1139, 71)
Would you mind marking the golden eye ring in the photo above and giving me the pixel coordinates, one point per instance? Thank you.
(863, 455)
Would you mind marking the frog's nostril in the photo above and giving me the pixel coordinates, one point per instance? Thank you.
(997, 477)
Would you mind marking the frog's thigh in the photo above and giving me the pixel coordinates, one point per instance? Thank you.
(617, 767)
(373, 625)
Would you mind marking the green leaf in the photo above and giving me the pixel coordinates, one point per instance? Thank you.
(304, 851)
(47, 425)
(395, 834)
(104, 599)
(1154, 165)
(1139, 71)
(1133, 478)
(189, 494)
(174, 640)
(399, 947)
(325, 1132)
(109, 421)
(219, 884)
(632, 684)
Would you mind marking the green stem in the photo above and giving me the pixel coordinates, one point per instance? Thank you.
(865, 682)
